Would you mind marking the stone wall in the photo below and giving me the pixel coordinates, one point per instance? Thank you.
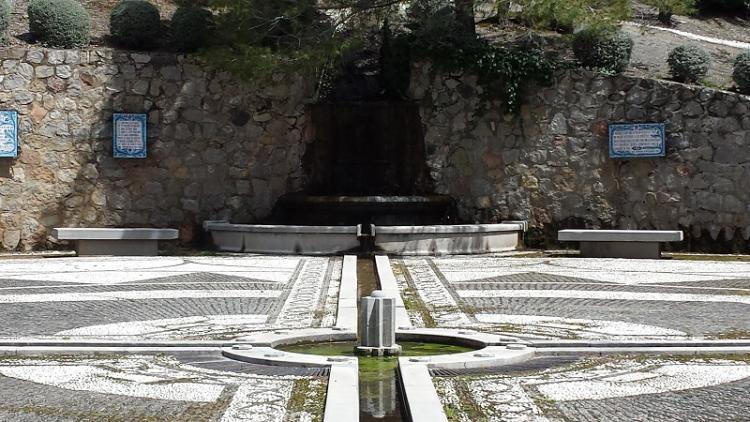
(221, 148)
(218, 148)
(550, 163)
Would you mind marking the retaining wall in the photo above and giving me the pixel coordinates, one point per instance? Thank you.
(217, 149)
(550, 164)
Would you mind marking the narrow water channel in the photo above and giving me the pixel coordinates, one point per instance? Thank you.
(379, 393)
(379, 397)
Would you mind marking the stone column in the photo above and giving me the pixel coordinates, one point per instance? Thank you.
(377, 325)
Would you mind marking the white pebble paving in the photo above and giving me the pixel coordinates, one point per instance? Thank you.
(605, 295)
(105, 270)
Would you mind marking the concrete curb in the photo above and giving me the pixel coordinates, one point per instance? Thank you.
(389, 286)
(601, 351)
(296, 336)
(420, 397)
(459, 337)
(272, 357)
(489, 357)
(346, 316)
(542, 344)
(166, 344)
(88, 351)
(342, 396)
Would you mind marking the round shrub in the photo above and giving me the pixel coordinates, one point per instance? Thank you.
(135, 24)
(741, 72)
(191, 28)
(688, 63)
(604, 49)
(4, 18)
(59, 23)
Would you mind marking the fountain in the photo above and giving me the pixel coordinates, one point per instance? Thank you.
(368, 189)
(377, 326)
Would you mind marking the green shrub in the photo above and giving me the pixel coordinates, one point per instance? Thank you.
(667, 8)
(727, 7)
(59, 23)
(604, 49)
(688, 63)
(191, 28)
(741, 72)
(566, 16)
(135, 24)
(4, 18)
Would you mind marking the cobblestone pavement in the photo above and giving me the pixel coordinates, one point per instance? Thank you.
(612, 389)
(163, 298)
(580, 298)
(153, 388)
(588, 299)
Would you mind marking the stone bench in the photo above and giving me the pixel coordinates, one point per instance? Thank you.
(638, 244)
(117, 242)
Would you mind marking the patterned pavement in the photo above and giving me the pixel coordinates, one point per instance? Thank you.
(163, 298)
(581, 298)
(221, 298)
(596, 300)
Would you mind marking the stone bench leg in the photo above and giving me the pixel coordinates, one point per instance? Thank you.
(633, 250)
(124, 247)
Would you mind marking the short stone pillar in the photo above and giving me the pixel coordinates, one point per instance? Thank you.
(377, 325)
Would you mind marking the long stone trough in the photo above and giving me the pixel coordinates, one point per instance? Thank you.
(449, 239)
(397, 240)
(280, 239)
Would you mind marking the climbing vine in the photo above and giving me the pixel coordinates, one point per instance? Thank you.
(503, 71)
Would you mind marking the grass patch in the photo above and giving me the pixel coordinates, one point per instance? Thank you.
(708, 257)
(469, 407)
(414, 304)
(733, 334)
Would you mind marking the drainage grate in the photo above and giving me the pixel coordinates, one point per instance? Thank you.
(534, 364)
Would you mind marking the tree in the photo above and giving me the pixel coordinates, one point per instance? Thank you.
(667, 8)
(567, 16)
(465, 12)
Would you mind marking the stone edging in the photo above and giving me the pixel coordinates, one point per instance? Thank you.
(346, 316)
(388, 285)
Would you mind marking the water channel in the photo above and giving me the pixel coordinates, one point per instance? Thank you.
(379, 393)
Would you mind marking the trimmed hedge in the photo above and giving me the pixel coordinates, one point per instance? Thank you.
(135, 24)
(191, 28)
(59, 23)
(607, 50)
(688, 63)
(741, 72)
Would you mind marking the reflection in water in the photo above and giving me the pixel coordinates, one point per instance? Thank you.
(379, 395)
(378, 392)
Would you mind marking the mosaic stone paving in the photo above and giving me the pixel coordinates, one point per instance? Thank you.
(165, 298)
(151, 388)
(128, 299)
(588, 299)
(221, 298)
(612, 389)
(580, 298)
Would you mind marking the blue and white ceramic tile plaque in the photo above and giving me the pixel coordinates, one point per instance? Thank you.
(8, 133)
(637, 140)
(129, 135)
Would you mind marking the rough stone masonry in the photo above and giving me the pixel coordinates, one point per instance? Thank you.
(550, 164)
(218, 147)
